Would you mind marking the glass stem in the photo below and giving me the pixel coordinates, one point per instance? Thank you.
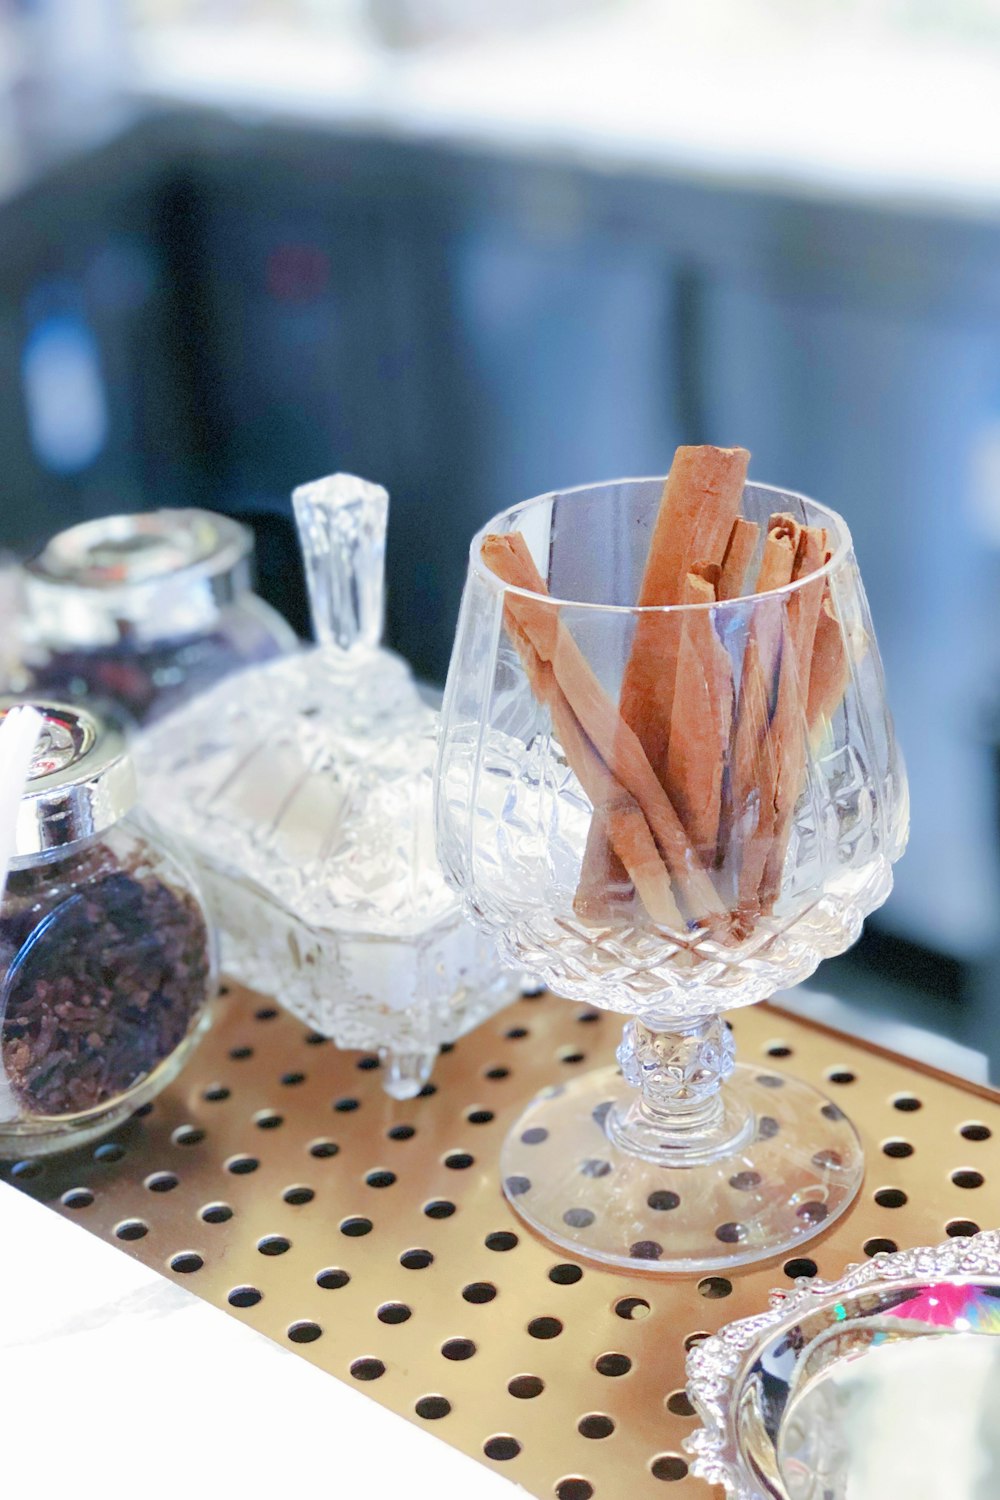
(681, 1114)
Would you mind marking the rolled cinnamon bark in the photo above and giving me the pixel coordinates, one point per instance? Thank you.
(740, 549)
(830, 667)
(747, 826)
(620, 814)
(700, 501)
(613, 739)
(789, 731)
(699, 735)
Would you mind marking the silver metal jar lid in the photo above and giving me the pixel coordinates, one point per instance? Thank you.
(148, 577)
(81, 781)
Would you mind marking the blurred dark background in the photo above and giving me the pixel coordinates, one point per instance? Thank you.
(478, 251)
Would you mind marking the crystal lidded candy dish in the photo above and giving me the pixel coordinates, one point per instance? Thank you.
(304, 790)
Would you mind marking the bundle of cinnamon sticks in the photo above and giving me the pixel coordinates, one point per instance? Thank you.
(695, 774)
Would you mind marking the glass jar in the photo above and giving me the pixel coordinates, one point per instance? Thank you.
(107, 961)
(144, 611)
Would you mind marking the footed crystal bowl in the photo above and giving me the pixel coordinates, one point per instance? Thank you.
(304, 790)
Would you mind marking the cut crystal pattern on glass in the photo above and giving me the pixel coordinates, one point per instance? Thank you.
(304, 790)
(810, 814)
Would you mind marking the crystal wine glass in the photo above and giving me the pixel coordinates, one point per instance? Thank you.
(680, 1159)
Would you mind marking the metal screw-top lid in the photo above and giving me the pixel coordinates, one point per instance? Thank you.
(145, 577)
(81, 781)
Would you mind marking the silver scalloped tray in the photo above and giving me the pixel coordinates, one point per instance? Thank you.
(747, 1382)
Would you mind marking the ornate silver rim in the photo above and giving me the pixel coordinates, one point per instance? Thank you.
(717, 1367)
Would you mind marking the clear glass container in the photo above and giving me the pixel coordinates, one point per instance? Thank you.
(107, 962)
(304, 791)
(756, 847)
(144, 611)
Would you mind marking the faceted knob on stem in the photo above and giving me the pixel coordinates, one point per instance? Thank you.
(342, 522)
(680, 1112)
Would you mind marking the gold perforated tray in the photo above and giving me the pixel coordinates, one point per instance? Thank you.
(277, 1180)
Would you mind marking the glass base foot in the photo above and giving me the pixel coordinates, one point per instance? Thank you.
(793, 1172)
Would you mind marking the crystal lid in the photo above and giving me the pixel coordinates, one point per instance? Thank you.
(150, 576)
(81, 781)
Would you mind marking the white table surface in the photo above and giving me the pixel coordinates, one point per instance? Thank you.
(115, 1381)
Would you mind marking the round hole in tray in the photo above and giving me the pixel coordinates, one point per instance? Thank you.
(668, 1466)
(479, 1291)
(356, 1226)
(565, 1274)
(244, 1296)
(439, 1208)
(346, 1106)
(501, 1239)
(402, 1132)
(268, 1119)
(879, 1245)
(305, 1331)
(526, 1387)
(596, 1424)
(242, 1166)
(612, 1364)
(545, 1328)
(186, 1262)
(432, 1408)
(216, 1213)
(679, 1404)
(298, 1195)
(501, 1447)
(323, 1148)
(216, 1093)
(458, 1349)
(632, 1308)
(961, 1228)
(332, 1279)
(131, 1229)
(907, 1104)
(394, 1312)
(966, 1177)
(381, 1178)
(714, 1287)
(800, 1266)
(897, 1149)
(367, 1368)
(188, 1135)
(974, 1131)
(161, 1182)
(273, 1244)
(416, 1260)
(77, 1198)
(110, 1151)
(890, 1197)
(574, 1487)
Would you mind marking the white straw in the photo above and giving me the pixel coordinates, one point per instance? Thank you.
(19, 731)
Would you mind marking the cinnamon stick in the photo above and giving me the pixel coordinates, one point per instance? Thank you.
(789, 731)
(699, 735)
(830, 671)
(620, 814)
(747, 825)
(613, 739)
(740, 549)
(698, 507)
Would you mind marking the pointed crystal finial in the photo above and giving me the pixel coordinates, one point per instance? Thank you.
(342, 521)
